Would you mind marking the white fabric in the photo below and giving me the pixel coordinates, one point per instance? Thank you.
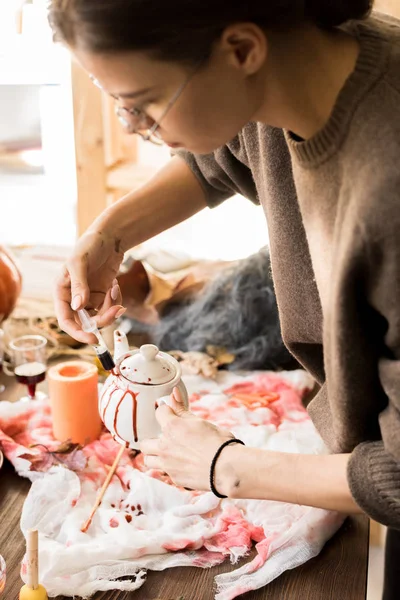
(146, 523)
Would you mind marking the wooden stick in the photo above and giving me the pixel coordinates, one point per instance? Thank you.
(100, 495)
(32, 558)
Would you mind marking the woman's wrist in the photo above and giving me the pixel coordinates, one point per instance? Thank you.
(227, 470)
(170, 197)
(244, 472)
(112, 225)
(319, 481)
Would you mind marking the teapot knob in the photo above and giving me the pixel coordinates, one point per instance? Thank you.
(149, 351)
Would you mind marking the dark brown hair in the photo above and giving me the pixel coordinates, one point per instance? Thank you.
(183, 30)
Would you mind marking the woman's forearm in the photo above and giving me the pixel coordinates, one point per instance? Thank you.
(173, 195)
(318, 481)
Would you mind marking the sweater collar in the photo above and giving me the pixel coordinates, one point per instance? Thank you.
(370, 67)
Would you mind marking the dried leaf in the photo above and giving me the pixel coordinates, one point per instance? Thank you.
(177, 354)
(67, 447)
(221, 355)
(76, 460)
(68, 455)
(40, 462)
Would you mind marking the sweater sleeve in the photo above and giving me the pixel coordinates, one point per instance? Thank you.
(374, 467)
(374, 479)
(221, 174)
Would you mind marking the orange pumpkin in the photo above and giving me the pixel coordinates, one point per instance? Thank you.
(10, 283)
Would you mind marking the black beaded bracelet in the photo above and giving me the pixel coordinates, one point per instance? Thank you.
(214, 462)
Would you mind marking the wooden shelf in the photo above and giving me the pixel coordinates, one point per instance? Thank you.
(127, 176)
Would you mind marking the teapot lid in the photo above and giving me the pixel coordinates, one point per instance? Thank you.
(147, 366)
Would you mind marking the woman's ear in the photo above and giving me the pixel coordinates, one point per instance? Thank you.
(246, 45)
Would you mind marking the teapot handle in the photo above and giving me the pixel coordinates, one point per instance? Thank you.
(182, 388)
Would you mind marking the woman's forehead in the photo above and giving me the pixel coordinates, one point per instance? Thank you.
(131, 74)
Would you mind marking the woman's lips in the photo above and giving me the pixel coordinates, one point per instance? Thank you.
(173, 144)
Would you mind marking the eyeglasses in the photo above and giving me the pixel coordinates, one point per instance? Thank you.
(136, 121)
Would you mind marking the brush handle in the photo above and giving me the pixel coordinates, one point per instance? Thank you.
(32, 558)
(105, 485)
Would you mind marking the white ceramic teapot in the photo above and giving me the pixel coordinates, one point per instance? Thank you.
(130, 396)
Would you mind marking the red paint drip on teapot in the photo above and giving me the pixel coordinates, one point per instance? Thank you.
(134, 413)
(107, 405)
(134, 416)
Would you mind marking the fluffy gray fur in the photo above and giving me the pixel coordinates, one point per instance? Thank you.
(238, 311)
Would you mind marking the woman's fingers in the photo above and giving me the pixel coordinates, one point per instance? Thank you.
(77, 269)
(109, 310)
(165, 415)
(67, 317)
(108, 317)
(64, 312)
(153, 462)
(112, 298)
(150, 446)
(116, 294)
(177, 403)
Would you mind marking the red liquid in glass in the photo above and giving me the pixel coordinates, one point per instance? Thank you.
(30, 374)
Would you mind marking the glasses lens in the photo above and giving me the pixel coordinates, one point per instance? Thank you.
(96, 82)
(133, 122)
(129, 121)
(148, 136)
(138, 124)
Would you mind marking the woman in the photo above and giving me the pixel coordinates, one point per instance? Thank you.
(296, 105)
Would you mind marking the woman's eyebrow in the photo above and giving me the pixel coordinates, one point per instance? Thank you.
(133, 94)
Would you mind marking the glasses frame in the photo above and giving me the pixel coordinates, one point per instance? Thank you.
(149, 134)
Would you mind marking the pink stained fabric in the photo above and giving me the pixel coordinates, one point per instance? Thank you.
(144, 521)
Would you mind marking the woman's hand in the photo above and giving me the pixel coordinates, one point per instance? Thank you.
(186, 447)
(88, 281)
(188, 444)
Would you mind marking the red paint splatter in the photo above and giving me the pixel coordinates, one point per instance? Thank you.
(112, 505)
(114, 523)
(73, 503)
(107, 405)
(128, 518)
(134, 413)
(133, 508)
(139, 507)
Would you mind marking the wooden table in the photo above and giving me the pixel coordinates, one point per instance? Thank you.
(339, 572)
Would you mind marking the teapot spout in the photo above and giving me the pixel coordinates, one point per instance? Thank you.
(121, 345)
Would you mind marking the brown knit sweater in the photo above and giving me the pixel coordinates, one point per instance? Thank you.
(333, 211)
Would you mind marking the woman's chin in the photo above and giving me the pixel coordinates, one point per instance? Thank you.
(203, 148)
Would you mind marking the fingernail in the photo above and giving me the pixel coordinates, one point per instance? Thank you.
(115, 292)
(121, 312)
(76, 302)
(176, 394)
